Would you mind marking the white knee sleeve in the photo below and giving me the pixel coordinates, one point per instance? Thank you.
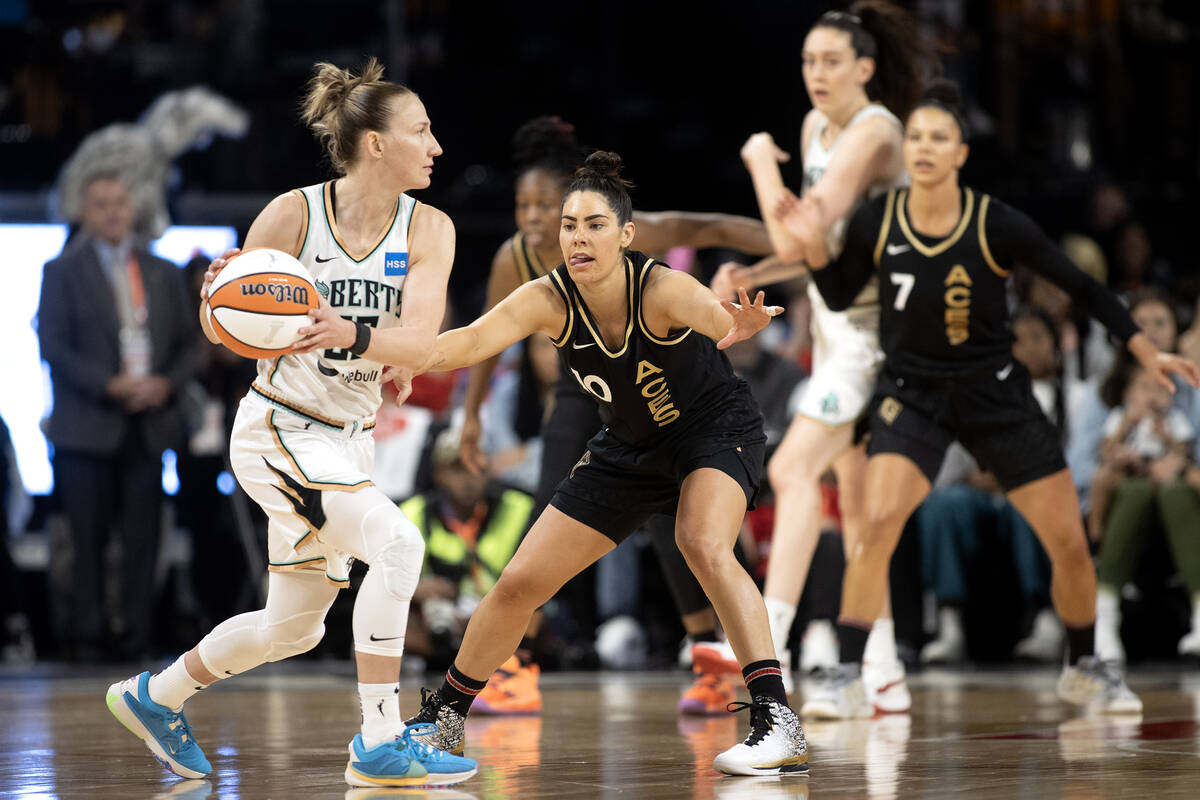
(292, 623)
(381, 608)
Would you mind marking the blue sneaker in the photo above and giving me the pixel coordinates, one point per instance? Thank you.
(164, 731)
(404, 762)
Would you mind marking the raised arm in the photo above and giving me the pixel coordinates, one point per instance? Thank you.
(868, 152)
(535, 307)
(659, 231)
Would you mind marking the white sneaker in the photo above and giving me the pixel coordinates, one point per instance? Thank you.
(1189, 645)
(819, 646)
(1098, 686)
(886, 688)
(775, 745)
(1045, 641)
(836, 693)
(950, 646)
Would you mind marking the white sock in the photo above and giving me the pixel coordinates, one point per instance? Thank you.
(380, 712)
(780, 615)
(1108, 606)
(173, 686)
(881, 643)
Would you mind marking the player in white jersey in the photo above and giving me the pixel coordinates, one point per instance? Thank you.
(302, 447)
(861, 69)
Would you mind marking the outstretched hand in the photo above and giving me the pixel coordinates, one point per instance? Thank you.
(401, 379)
(1167, 364)
(748, 318)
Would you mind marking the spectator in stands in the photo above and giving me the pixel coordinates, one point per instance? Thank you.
(1164, 499)
(519, 402)
(471, 528)
(115, 326)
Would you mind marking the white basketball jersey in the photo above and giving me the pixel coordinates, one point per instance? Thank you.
(334, 387)
(816, 160)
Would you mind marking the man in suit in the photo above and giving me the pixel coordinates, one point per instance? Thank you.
(115, 325)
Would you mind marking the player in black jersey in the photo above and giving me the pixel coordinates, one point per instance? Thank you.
(682, 436)
(943, 253)
(547, 153)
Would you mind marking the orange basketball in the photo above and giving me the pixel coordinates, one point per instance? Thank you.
(258, 302)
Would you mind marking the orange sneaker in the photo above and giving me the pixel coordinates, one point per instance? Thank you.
(513, 689)
(708, 694)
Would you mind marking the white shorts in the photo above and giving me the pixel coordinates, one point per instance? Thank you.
(846, 360)
(285, 465)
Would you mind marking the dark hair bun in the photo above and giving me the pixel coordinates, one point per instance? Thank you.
(605, 165)
(943, 92)
(542, 138)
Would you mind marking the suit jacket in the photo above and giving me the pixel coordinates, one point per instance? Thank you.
(78, 329)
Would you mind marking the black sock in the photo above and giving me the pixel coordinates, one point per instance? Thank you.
(765, 679)
(1080, 642)
(852, 641)
(458, 691)
(709, 635)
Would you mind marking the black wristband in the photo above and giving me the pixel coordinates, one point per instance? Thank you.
(362, 339)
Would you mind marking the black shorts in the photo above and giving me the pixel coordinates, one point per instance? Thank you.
(993, 414)
(616, 486)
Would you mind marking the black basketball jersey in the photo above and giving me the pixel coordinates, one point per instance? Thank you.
(944, 301)
(529, 265)
(651, 389)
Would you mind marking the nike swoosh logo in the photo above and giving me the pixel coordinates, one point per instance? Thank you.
(892, 249)
(375, 638)
(1002, 374)
(891, 685)
(328, 372)
(579, 346)
(323, 260)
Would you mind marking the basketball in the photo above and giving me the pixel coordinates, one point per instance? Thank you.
(258, 302)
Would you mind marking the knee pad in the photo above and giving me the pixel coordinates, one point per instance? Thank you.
(400, 558)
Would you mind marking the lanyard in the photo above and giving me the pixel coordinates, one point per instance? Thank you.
(137, 290)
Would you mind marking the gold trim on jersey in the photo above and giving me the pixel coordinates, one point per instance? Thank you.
(557, 282)
(529, 263)
(337, 235)
(317, 563)
(886, 226)
(642, 299)
(585, 315)
(983, 245)
(303, 237)
(944, 244)
(287, 405)
(277, 437)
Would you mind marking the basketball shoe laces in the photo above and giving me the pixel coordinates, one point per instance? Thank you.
(425, 751)
(431, 704)
(760, 719)
(181, 734)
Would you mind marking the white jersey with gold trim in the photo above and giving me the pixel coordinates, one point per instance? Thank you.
(334, 388)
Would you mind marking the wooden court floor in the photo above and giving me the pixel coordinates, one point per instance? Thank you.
(281, 732)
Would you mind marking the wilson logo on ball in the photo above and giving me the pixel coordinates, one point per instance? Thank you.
(282, 292)
(258, 302)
